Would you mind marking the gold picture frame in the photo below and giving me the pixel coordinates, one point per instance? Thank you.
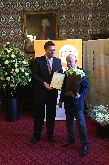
(39, 25)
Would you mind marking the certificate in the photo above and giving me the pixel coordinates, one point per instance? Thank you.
(57, 80)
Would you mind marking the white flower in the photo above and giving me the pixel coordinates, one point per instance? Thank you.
(6, 62)
(12, 55)
(12, 85)
(76, 71)
(100, 114)
(7, 43)
(16, 70)
(22, 69)
(8, 78)
(23, 62)
(16, 65)
(29, 80)
(12, 71)
(8, 50)
(26, 74)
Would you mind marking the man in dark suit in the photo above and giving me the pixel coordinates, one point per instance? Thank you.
(42, 72)
(74, 109)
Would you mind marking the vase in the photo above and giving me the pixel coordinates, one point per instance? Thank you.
(102, 131)
(12, 105)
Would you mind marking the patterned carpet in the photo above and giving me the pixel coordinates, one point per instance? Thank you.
(15, 148)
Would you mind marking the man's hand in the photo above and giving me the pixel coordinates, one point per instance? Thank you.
(60, 104)
(78, 96)
(47, 86)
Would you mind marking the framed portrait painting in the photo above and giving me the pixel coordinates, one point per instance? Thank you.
(39, 25)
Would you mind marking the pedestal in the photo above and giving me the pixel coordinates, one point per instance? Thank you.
(102, 131)
(12, 109)
(12, 105)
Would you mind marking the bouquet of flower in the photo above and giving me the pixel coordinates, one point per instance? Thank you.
(74, 78)
(100, 114)
(14, 67)
(76, 71)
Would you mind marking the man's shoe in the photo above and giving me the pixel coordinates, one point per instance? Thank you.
(34, 140)
(85, 150)
(67, 143)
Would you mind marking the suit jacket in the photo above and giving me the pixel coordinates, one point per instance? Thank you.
(78, 104)
(40, 74)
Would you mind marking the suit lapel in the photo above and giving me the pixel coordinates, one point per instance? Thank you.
(44, 64)
(54, 65)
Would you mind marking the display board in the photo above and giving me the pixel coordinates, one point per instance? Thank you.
(62, 49)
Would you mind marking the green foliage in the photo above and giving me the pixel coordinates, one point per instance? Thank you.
(14, 67)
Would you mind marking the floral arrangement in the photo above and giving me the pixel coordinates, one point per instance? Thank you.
(100, 114)
(14, 67)
(76, 71)
(74, 78)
